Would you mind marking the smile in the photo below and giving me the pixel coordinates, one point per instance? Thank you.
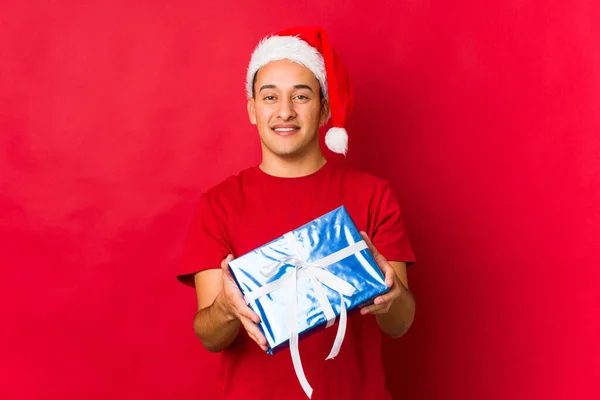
(285, 130)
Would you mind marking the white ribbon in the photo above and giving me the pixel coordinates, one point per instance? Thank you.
(318, 276)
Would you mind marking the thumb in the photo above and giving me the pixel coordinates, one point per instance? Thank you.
(389, 277)
(225, 265)
(367, 239)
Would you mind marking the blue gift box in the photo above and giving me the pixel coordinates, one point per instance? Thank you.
(285, 259)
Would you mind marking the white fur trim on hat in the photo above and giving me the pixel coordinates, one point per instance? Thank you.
(336, 140)
(291, 48)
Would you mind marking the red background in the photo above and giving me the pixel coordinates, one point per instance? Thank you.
(115, 116)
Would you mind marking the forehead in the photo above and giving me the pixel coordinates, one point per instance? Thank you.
(285, 71)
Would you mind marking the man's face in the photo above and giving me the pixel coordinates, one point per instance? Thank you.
(287, 109)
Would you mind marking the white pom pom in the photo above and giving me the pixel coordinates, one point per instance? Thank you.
(336, 140)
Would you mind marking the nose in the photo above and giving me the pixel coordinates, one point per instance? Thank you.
(286, 109)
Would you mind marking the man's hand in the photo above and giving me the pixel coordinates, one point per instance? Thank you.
(382, 304)
(231, 301)
(395, 310)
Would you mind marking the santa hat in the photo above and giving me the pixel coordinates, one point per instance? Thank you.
(310, 47)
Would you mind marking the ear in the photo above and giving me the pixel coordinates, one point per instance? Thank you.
(325, 112)
(252, 111)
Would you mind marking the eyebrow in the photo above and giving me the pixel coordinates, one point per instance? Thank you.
(303, 87)
(275, 87)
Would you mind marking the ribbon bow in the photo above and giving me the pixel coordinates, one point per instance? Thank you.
(318, 276)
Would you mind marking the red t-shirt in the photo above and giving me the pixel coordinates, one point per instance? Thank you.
(253, 208)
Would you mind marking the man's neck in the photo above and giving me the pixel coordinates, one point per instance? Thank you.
(292, 167)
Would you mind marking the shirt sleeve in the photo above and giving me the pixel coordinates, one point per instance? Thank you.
(389, 234)
(206, 244)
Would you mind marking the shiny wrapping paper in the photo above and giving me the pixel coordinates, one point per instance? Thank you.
(316, 240)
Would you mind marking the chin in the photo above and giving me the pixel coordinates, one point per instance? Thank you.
(287, 150)
(282, 149)
(288, 153)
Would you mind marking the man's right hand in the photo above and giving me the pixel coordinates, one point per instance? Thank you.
(231, 301)
(222, 309)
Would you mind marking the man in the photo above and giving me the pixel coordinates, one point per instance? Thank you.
(295, 83)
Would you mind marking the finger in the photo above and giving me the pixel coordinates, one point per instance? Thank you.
(253, 329)
(375, 309)
(237, 298)
(389, 297)
(251, 335)
(262, 346)
(384, 265)
(390, 274)
(367, 239)
(249, 314)
(254, 332)
(228, 278)
(382, 303)
(372, 247)
(379, 258)
(257, 341)
(226, 270)
(243, 310)
(225, 263)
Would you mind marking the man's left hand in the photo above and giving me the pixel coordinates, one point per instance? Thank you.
(382, 304)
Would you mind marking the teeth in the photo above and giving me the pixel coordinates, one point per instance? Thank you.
(284, 129)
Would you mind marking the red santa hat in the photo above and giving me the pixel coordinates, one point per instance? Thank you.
(310, 47)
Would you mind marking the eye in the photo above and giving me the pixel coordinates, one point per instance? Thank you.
(301, 97)
(269, 98)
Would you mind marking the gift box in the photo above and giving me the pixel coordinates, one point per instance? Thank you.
(307, 279)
